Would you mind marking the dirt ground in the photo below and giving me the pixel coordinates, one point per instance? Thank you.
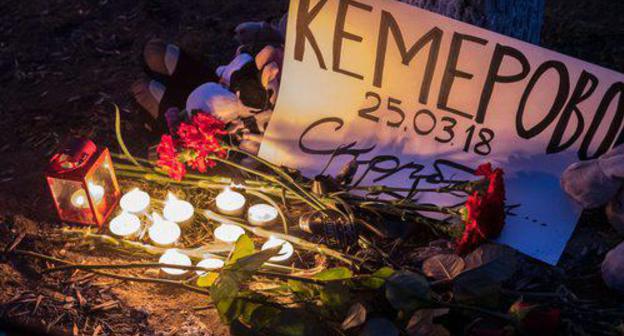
(62, 64)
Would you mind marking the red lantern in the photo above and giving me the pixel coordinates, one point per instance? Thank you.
(83, 183)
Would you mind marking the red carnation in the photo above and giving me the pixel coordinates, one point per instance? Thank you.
(197, 141)
(486, 211)
(168, 158)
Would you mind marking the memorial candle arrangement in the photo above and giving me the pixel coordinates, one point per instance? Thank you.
(261, 214)
(135, 201)
(125, 225)
(228, 233)
(177, 210)
(230, 202)
(163, 232)
(175, 257)
(82, 182)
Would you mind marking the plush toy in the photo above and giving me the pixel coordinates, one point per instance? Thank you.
(241, 93)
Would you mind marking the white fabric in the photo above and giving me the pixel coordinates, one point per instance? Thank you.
(171, 58)
(157, 89)
(586, 183)
(215, 99)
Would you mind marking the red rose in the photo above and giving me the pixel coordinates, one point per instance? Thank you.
(486, 211)
(168, 158)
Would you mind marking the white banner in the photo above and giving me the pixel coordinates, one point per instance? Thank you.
(418, 97)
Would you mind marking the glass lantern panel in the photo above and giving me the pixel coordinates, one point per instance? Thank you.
(71, 201)
(102, 186)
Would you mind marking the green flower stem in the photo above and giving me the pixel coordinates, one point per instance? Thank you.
(176, 283)
(274, 204)
(501, 316)
(302, 243)
(120, 141)
(264, 188)
(282, 174)
(199, 253)
(381, 189)
(410, 206)
(270, 178)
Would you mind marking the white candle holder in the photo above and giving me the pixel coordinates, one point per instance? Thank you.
(135, 202)
(177, 210)
(261, 214)
(174, 257)
(125, 225)
(284, 253)
(228, 233)
(163, 233)
(230, 202)
(211, 264)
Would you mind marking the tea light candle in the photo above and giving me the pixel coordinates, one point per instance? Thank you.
(177, 210)
(135, 201)
(230, 202)
(79, 197)
(261, 214)
(228, 233)
(284, 253)
(211, 264)
(174, 257)
(162, 232)
(125, 225)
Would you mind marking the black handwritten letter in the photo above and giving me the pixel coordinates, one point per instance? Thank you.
(493, 76)
(562, 97)
(434, 37)
(617, 89)
(451, 72)
(340, 34)
(303, 33)
(585, 87)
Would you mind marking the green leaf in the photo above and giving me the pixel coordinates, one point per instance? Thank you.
(379, 326)
(294, 322)
(407, 291)
(207, 279)
(243, 247)
(481, 285)
(262, 316)
(253, 262)
(301, 289)
(384, 272)
(335, 295)
(338, 273)
(377, 279)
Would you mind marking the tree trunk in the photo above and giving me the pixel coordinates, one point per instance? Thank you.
(521, 19)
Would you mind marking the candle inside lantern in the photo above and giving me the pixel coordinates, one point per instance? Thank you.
(136, 201)
(79, 197)
(211, 264)
(174, 257)
(284, 253)
(228, 233)
(125, 225)
(162, 232)
(177, 210)
(230, 202)
(261, 214)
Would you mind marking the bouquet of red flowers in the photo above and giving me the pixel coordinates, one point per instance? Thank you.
(192, 145)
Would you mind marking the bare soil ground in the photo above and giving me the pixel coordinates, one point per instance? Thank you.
(61, 65)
